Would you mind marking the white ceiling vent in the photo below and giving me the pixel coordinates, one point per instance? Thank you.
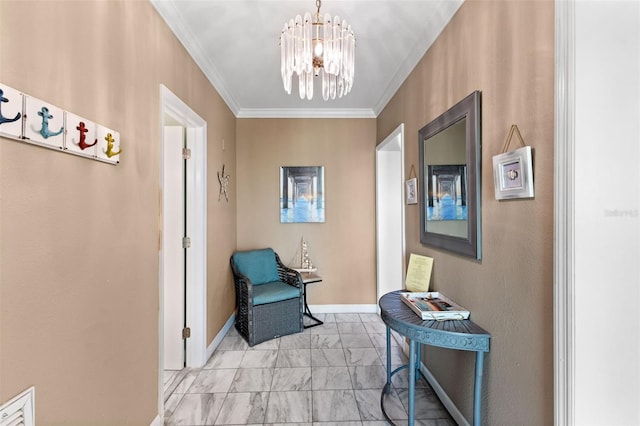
(20, 411)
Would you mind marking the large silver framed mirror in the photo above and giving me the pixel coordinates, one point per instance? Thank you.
(450, 155)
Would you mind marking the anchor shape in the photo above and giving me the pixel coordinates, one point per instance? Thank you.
(110, 153)
(44, 131)
(4, 119)
(82, 144)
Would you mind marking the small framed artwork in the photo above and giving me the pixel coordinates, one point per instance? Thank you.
(513, 174)
(412, 191)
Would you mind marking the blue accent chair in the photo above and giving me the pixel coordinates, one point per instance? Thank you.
(269, 296)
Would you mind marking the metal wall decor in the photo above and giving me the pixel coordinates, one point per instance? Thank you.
(28, 119)
(224, 185)
(4, 119)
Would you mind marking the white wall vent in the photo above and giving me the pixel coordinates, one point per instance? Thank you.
(20, 411)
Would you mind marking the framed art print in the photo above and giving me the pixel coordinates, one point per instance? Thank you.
(302, 194)
(412, 191)
(513, 174)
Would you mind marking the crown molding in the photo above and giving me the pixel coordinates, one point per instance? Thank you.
(416, 54)
(174, 20)
(306, 113)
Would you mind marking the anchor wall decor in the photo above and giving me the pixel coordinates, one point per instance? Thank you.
(28, 119)
(44, 123)
(4, 119)
(110, 151)
(10, 112)
(81, 135)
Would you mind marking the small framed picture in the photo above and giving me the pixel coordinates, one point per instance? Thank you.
(513, 174)
(412, 191)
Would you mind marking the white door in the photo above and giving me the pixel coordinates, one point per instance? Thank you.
(390, 241)
(174, 253)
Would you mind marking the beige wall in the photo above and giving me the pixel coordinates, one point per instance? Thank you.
(79, 239)
(344, 246)
(506, 50)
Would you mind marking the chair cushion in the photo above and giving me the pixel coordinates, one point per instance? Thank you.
(274, 292)
(258, 265)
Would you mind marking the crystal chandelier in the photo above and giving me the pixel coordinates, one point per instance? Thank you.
(313, 47)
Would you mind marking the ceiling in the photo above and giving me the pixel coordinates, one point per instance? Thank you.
(236, 44)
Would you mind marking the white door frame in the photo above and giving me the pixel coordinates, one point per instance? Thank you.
(196, 286)
(173, 229)
(390, 223)
(564, 262)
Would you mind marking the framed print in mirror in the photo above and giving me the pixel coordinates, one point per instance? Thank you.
(513, 174)
(302, 194)
(447, 193)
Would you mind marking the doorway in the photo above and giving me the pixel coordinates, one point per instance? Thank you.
(174, 253)
(390, 238)
(183, 212)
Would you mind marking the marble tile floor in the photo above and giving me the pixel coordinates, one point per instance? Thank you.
(331, 374)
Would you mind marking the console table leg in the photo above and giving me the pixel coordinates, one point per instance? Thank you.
(477, 388)
(388, 357)
(412, 381)
(307, 311)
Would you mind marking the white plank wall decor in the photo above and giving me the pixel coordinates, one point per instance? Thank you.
(28, 119)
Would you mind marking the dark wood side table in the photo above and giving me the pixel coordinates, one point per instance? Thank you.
(310, 278)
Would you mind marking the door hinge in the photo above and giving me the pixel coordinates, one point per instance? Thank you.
(186, 333)
(186, 153)
(186, 242)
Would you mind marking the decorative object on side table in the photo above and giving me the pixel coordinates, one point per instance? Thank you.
(419, 273)
(302, 263)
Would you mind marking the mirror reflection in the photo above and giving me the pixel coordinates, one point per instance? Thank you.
(445, 157)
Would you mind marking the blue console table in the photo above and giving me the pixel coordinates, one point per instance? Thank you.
(461, 335)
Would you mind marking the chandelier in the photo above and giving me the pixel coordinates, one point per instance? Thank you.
(319, 46)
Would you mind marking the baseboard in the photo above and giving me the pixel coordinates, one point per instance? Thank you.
(446, 401)
(218, 339)
(343, 309)
(439, 390)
